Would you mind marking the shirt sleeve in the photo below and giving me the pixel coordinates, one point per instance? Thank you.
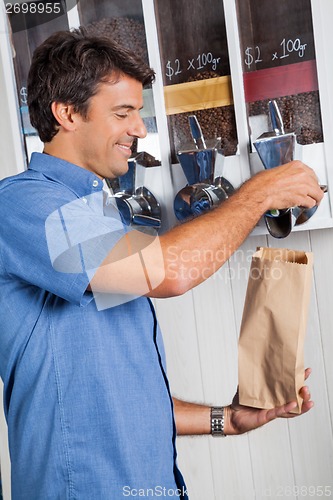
(52, 242)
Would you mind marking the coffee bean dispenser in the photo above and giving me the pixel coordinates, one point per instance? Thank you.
(204, 190)
(135, 202)
(221, 62)
(277, 148)
(282, 97)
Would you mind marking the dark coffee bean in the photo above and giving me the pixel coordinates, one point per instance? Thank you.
(300, 114)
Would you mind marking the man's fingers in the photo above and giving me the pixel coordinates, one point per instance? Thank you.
(280, 411)
(305, 393)
(316, 193)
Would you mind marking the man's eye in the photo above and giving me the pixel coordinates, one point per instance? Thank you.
(121, 115)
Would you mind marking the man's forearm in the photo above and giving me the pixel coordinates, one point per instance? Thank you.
(190, 253)
(195, 419)
(191, 418)
(207, 242)
(195, 250)
(183, 257)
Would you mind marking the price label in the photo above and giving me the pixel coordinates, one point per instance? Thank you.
(288, 47)
(252, 56)
(205, 60)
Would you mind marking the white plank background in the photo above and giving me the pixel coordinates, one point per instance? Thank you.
(283, 459)
(200, 331)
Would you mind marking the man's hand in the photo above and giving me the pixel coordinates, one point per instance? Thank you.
(240, 419)
(292, 184)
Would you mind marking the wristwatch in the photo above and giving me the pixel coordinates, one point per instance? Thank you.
(217, 421)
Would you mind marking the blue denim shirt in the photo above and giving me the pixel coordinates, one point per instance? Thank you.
(86, 397)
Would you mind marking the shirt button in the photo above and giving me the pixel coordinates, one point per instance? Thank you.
(95, 183)
(84, 200)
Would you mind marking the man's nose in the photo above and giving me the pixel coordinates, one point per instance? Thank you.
(138, 128)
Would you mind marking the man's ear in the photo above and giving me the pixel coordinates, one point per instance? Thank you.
(65, 116)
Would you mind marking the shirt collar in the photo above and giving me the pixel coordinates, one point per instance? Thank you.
(78, 179)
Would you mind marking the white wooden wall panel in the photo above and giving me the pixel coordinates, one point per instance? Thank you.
(177, 317)
(322, 246)
(268, 474)
(217, 340)
(310, 447)
(278, 460)
(11, 141)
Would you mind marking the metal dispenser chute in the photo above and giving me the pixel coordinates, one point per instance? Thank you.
(135, 202)
(198, 160)
(277, 148)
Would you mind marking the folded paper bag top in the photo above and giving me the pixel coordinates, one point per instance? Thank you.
(271, 342)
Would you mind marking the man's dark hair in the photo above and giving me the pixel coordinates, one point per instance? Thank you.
(68, 67)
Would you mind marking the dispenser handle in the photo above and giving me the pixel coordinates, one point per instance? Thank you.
(196, 132)
(276, 118)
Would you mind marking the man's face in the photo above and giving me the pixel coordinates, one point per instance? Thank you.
(104, 138)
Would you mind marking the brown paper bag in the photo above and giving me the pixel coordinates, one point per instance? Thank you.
(270, 363)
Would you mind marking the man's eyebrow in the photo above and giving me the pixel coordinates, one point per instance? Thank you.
(125, 106)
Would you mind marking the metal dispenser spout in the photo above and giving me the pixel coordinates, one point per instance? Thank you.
(135, 202)
(277, 148)
(197, 160)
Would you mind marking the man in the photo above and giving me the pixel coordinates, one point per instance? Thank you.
(87, 401)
